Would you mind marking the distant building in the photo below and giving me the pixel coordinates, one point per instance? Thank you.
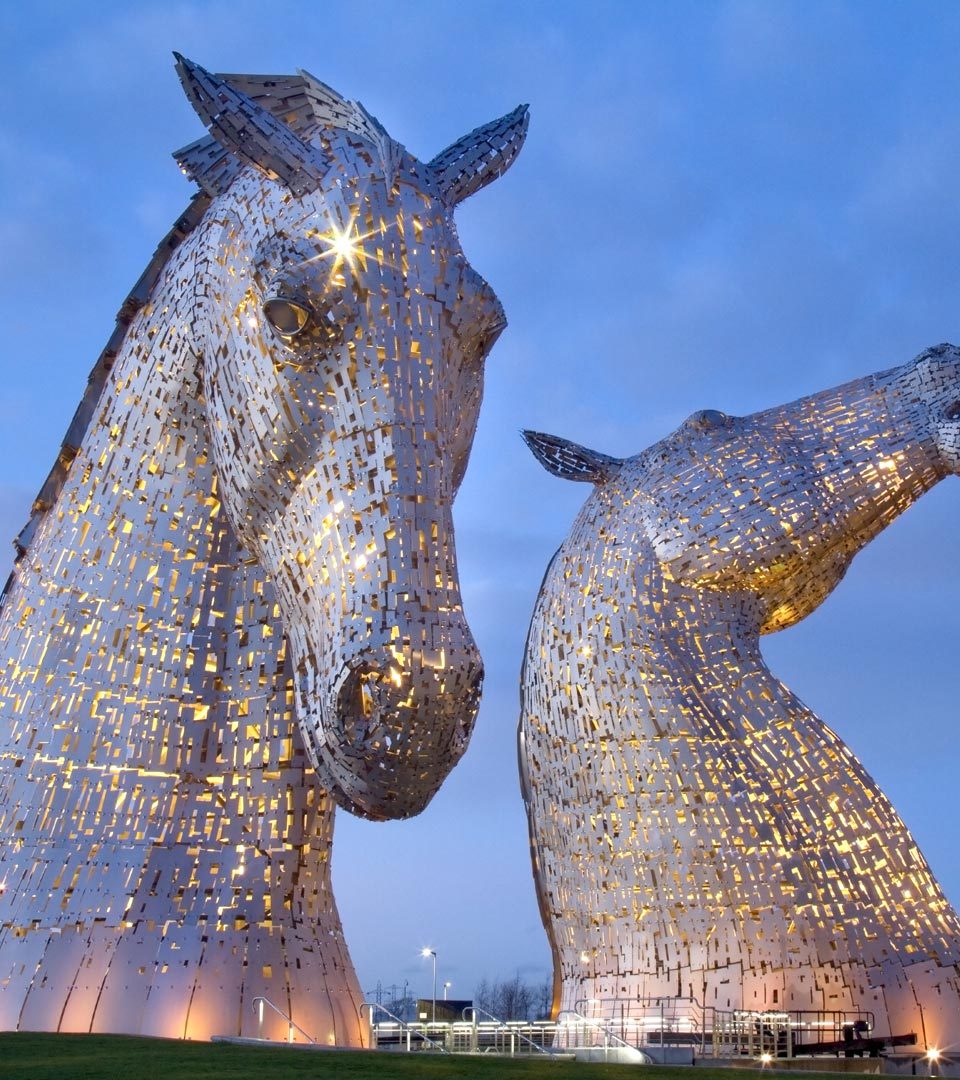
(447, 1011)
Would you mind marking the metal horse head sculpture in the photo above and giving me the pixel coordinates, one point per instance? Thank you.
(697, 832)
(344, 335)
(238, 592)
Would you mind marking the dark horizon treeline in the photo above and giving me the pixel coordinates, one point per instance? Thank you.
(503, 999)
(514, 999)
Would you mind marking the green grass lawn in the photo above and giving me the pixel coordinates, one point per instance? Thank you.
(121, 1057)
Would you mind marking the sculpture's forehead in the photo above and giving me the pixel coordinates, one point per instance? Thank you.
(711, 435)
(374, 231)
(734, 450)
(393, 224)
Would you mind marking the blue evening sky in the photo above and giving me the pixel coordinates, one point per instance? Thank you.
(720, 204)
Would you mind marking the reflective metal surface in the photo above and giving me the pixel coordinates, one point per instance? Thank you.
(237, 599)
(696, 830)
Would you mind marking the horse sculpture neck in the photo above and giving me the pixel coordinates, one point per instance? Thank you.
(140, 468)
(152, 743)
(139, 508)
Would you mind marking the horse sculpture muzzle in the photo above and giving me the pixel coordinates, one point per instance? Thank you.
(386, 670)
(937, 373)
(401, 720)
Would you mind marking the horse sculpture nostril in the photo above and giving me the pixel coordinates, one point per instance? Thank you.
(360, 705)
(414, 712)
(952, 412)
(475, 683)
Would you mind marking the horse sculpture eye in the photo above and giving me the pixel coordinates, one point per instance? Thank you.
(288, 317)
(707, 419)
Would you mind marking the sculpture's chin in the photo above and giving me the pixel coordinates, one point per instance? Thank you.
(384, 787)
(386, 804)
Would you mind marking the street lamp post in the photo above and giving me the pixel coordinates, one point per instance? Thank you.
(432, 953)
(446, 987)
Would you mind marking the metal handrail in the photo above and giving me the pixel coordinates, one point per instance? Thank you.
(258, 1004)
(371, 1005)
(735, 1028)
(607, 1033)
(645, 1004)
(496, 1019)
(695, 1001)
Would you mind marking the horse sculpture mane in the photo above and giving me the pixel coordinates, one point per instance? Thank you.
(699, 837)
(236, 601)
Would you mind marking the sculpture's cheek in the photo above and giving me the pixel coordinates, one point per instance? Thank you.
(723, 549)
(734, 563)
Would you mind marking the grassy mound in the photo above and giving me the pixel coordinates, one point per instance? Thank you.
(120, 1057)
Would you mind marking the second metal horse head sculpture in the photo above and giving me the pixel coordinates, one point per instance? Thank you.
(697, 832)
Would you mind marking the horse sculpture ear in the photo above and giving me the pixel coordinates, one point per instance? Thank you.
(250, 132)
(570, 460)
(486, 153)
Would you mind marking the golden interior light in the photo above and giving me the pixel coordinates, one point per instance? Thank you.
(346, 246)
(343, 244)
